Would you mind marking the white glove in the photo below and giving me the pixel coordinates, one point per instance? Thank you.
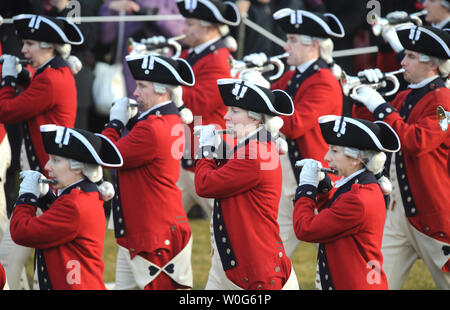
(207, 135)
(257, 59)
(122, 111)
(372, 75)
(310, 173)
(368, 96)
(390, 36)
(30, 183)
(10, 66)
(154, 40)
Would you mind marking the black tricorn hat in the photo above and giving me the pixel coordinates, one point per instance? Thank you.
(427, 40)
(81, 145)
(161, 69)
(324, 25)
(213, 11)
(359, 133)
(47, 29)
(251, 97)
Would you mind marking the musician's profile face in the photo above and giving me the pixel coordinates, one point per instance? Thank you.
(416, 70)
(238, 120)
(338, 160)
(38, 56)
(146, 95)
(435, 11)
(196, 34)
(299, 52)
(58, 168)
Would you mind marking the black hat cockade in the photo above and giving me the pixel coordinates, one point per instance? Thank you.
(359, 133)
(47, 29)
(248, 96)
(161, 69)
(213, 11)
(81, 145)
(303, 22)
(427, 40)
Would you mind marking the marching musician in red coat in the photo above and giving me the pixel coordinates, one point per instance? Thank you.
(151, 226)
(48, 98)
(247, 249)
(69, 235)
(418, 216)
(315, 90)
(206, 30)
(349, 229)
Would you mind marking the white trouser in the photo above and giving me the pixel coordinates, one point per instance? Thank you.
(189, 196)
(286, 207)
(5, 161)
(134, 273)
(403, 245)
(13, 258)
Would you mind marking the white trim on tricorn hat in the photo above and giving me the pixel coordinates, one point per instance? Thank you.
(59, 140)
(291, 21)
(358, 133)
(210, 10)
(430, 41)
(29, 26)
(244, 94)
(151, 68)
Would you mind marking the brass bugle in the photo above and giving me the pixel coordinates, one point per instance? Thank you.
(48, 181)
(323, 169)
(379, 22)
(146, 46)
(443, 118)
(21, 61)
(353, 83)
(272, 63)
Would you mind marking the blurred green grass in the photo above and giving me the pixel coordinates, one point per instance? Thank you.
(304, 261)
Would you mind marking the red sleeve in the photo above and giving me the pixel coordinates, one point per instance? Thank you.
(2, 277)
(310, 105)
(234, 177)
(342, 218)
(423, 135)
(54, 227)
(205, 97)
(35, 100)
(138, 147)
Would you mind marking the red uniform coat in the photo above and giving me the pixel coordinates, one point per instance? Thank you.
(153, 214)
(50, 98)
(425, 149)
(249, 189)
(70, 234)
(2, 132)
(351, 230)
(2, 277)
(320, 94)
(204, 99)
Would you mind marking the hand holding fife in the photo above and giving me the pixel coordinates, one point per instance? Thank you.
(310, 173)
(10, 66)
(207, 135)
(123, 109)
(30, 183)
